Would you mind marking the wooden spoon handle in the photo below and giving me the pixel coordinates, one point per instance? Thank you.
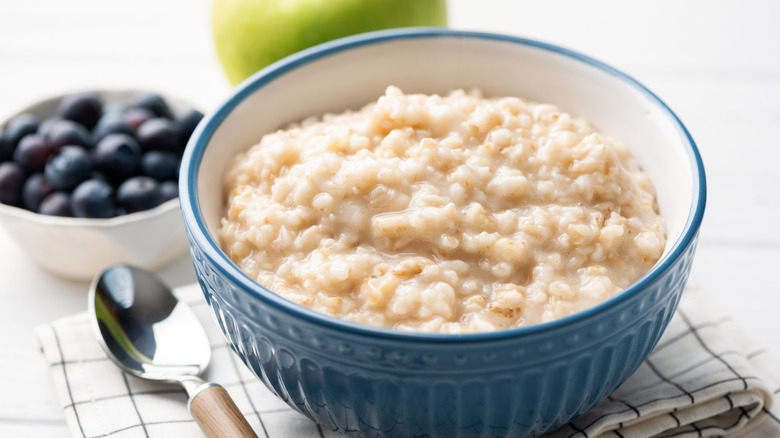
(217, 414)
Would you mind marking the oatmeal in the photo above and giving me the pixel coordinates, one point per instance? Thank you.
(449, 214)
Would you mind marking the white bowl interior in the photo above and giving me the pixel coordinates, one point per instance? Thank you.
(349, 79)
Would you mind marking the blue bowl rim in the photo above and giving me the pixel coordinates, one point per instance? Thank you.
(205, 130)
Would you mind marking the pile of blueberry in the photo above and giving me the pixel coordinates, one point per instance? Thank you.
(95, 159)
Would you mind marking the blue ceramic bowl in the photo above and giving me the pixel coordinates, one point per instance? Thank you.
(366, 381)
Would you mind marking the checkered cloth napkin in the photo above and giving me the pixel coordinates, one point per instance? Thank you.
(705, 378)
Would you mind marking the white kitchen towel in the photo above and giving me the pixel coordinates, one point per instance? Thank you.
(705, 378)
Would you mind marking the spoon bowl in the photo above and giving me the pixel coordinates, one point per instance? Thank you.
(150, 334)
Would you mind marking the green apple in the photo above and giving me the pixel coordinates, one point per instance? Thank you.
(250, 34)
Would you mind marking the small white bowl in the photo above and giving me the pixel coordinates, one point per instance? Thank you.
(80, 248)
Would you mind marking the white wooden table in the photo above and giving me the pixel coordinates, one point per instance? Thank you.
(716, 63)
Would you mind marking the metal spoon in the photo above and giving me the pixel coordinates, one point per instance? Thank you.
(149, 334)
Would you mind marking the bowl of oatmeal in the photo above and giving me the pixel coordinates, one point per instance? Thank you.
(432, 232)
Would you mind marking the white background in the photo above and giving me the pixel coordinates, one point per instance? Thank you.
(716, 63)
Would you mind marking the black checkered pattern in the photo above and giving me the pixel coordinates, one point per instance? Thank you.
(703, 379)
(99, 401)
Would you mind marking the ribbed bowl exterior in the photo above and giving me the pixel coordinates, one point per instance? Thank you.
(380, 386)
(370, 382)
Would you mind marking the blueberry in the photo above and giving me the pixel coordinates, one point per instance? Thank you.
(46, 125)
(6, 148)
(93, 198)
(99, 176)
(113, 107)
(117, 157)
(64, 132)
(169, 190)
(111, 123)
(158, 135)
(11, 182)
(83, 108)
(19, 127)
(138, 193)
(56, 204)
(136, 117)
(185, 122)
(33, 153)
(69, 167)
(154, 103)
(160, 165)
(35, 189)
